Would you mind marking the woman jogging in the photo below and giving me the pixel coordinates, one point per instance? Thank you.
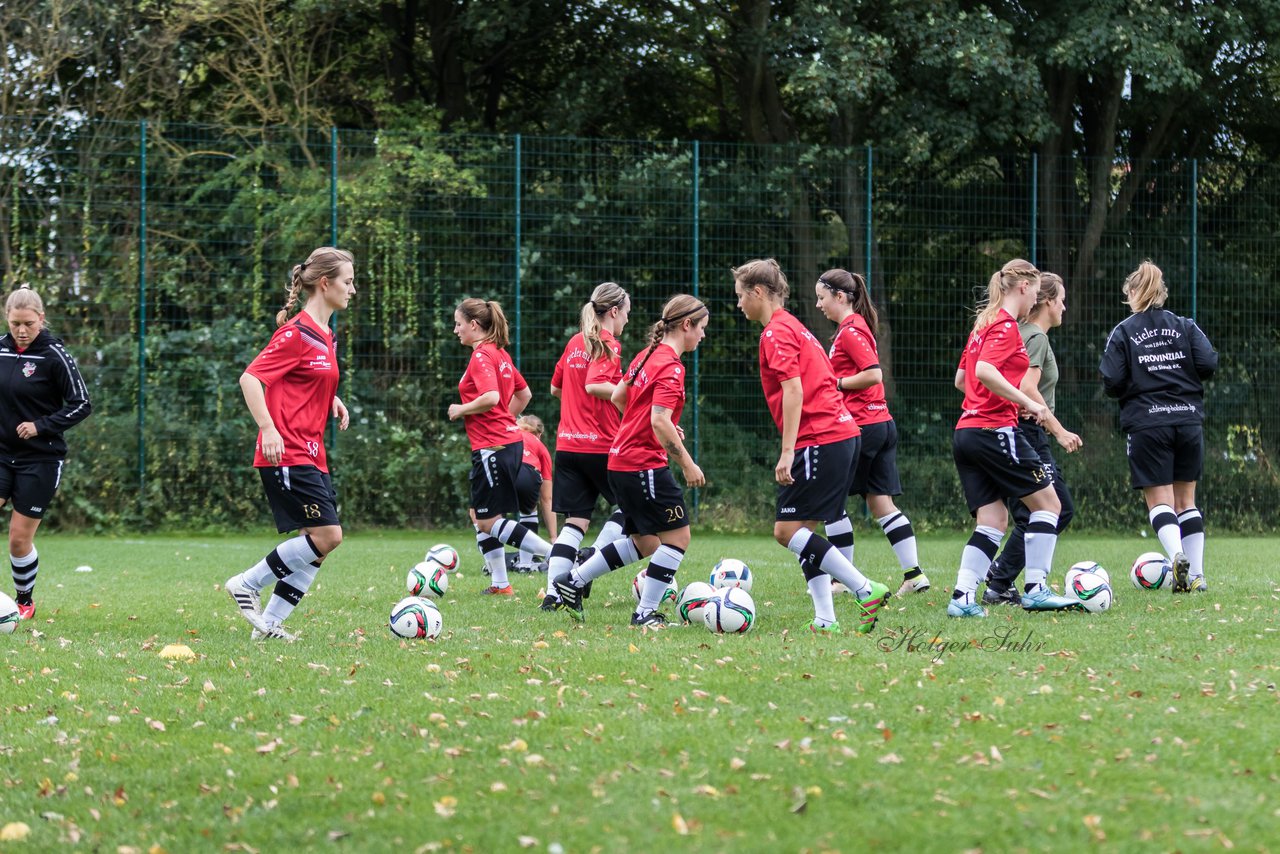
(820, 444)
(994, 461)
(493, 393)
(1156, 363)
(41, 397)
(291, 391)
(855, 360)
(1039, 383)
(656, 518)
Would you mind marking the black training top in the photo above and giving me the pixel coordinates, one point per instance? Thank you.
(1156, 362)
(42, 385)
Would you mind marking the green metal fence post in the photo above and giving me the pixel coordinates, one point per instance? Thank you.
(517, 213)
(142, 314)
(333, 241)
(1195, 229)
(868, 215)
(697, 374)
(1035, 203)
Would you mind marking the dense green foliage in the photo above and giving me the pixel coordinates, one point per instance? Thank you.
(856, 135)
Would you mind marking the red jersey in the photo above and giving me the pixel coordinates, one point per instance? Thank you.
(853, 351)
(300, 370)
(536, 454)
(789, 350)
(587, 424)
(659, 383)
(491, 369)
(1001, 345)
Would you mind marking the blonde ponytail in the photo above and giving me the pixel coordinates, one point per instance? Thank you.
(606, 296)
(1005, 280)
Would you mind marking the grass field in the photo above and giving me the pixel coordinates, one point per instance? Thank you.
(1152, 727)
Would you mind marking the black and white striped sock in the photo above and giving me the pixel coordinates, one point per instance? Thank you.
(24, 575)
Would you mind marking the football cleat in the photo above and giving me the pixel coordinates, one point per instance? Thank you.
(273, 631)
(992, 596)
(248, 600)
(956, 608)
(919, 584)
(570, 596)
(870, 605)
(1045, 599)
(495, 590)
(1197, 585)
(832, 629)
(1181, 567)
(550, 602)
(27, 611)
(652, 620)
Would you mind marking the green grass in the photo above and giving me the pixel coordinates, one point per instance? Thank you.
(1153, 726)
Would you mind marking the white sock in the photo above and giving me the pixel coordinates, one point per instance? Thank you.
(613, 556)
(812, 549)
(24, 570)
(611, 531)
(840, 534)
(902, 537)
(666, 560)
(515, 534)
(565, 551)
(287, 593)
(1166, 525)
(495, 559)
(824, 610)
(291, 556)
(1041, 539)
(975, 560)
(1191, 524)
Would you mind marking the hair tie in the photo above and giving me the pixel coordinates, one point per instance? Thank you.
(667, 321)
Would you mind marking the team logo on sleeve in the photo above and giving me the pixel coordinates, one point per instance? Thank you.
(28, 368)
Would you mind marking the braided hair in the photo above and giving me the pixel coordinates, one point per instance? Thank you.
(323, 262)
(679, 308)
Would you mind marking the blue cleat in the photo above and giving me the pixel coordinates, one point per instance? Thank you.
(1045, 599)
(956, 608)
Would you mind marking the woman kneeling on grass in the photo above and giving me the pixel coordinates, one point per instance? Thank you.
(656, 520)
(820, 445)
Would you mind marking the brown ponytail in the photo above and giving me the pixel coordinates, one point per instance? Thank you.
(854, 288)
(679, 308)
(488, 314)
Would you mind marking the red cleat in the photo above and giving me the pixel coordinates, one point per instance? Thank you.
(27, 612)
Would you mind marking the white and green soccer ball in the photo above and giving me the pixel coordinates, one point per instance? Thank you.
(427, 578)
(414, 617)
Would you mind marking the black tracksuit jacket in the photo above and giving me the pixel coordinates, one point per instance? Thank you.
(1156, 363)
(42, 384)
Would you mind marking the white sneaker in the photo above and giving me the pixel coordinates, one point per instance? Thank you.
(919, 584)
(248, 601)
(273, 631)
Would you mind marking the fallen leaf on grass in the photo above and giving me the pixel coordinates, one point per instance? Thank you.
(270, 746)
(446, 806)
(15, 831)
(527, 841)
(178, 651)
(890, 759)
(679, 825)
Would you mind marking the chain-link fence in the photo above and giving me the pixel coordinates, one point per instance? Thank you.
(163, 253)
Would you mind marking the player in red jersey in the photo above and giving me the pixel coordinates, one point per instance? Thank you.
(533, 485)
(656, 520)
(299, 370)
(819, 444)
(994, 460)
(585, 378)
(855, 359)
(493, 393)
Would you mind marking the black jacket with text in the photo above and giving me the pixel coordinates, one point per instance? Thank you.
(42, 385)
(1156, 363)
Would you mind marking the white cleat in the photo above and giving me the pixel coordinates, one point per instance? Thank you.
(273, 631)
(919, 584)
(248, 601)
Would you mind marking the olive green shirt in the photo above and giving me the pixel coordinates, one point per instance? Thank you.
(1041, 355)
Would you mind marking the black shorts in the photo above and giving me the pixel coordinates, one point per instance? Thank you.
(821, 477)
(876, 472)
(300, 497)
(996, 464)
(578, 482)
(1159, 456)
(493, 480)
(528, 487)
(29, 485)
(651, 501)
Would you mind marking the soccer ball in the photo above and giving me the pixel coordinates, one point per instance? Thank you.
(415, 617)
(731, 572)
(428, 579)
(1084, 566)
(672, 593)
(1151, 571)
(8, 615)
(692, 601)
(733, 612)
(442, 555)
(1092, 590)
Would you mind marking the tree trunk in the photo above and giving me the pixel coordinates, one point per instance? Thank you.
(401, 25)
(450, 75)
(1099, 121)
